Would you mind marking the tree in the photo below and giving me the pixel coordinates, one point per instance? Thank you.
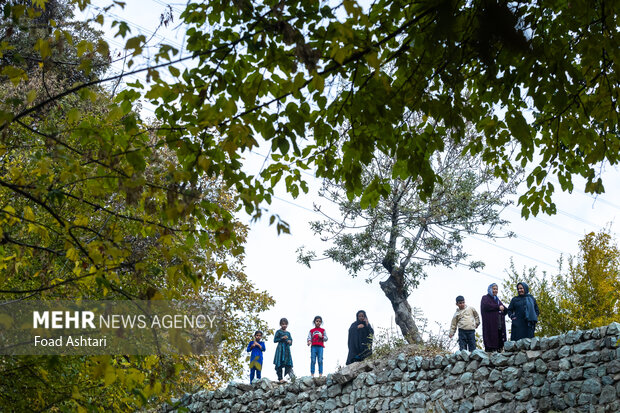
(586, 294)
(267, 70)
(95, 205)
(401, 235)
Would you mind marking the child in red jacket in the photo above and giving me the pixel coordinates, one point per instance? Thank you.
(316, 339)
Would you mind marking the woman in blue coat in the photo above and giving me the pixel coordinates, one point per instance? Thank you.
(523, 311)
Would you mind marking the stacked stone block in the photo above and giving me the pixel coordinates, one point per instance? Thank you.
(578, 371)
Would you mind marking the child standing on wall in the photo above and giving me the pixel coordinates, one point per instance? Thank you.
(467, 320)
(316, 339)
(256, 349)
(283, 359)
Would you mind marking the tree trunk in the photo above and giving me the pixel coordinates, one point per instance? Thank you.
(404, 319)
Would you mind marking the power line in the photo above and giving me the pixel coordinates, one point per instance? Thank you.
(513, 251)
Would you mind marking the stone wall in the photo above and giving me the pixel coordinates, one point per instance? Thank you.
(577, 371)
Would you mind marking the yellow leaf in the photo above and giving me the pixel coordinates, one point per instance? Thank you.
(81, 221)
(110, 376)
(28, 214)
(72, 254)
(31, 96)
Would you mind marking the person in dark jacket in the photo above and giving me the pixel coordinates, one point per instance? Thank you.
(523, 311)
(493, 320)
(360, 338)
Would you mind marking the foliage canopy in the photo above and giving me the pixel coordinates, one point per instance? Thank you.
(95, 205)
(296, 72)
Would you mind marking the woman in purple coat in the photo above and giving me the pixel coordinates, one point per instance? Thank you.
(493, 320)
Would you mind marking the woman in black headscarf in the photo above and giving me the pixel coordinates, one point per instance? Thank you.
(523, 311)
(360, 338)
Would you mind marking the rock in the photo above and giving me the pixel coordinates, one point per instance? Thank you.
(585, 399)
(466, 377)
(552, 342)
(372, 392)
(613, 367)
(576, 373)
(585, 346)
(437, 394)
(523, 395)
(307, 382)
(564, 364)
(529, 366)
(401, 361)
(590, 373)
(573, 337)
(520, 359)
(397, 388)
(492, 398)
(418, 399)
(479, 354)
(385, 390)
(478, 403)
(361, 406)
(330, 405)
(457, 393)
(334, 390)
(540, 365)
(465, 407)
(570, 399)
(494, 375)
(509, 346)
(593, 357)
(395, 403)
(556, 388)
(564, 352)
(498, 359)
(481, 374)
(591, 386)
(539, 379)
(608, 395)
(524, 343)
(613, 329)
(290, 398)
(473, 366)
(510, 373)
(458, 368)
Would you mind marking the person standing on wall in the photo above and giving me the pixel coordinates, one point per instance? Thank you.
(467, 320)
(360, 338)
(316, 339)
(493, 314)
(523, 311)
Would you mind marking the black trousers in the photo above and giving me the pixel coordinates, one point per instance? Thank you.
(288, 371)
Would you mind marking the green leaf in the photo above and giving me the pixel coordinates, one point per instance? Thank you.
(14, 74)
(174, 71)
(73, 115)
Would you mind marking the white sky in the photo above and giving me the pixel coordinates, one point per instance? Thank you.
(328, 290)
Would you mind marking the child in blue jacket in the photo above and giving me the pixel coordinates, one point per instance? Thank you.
(256, 349)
